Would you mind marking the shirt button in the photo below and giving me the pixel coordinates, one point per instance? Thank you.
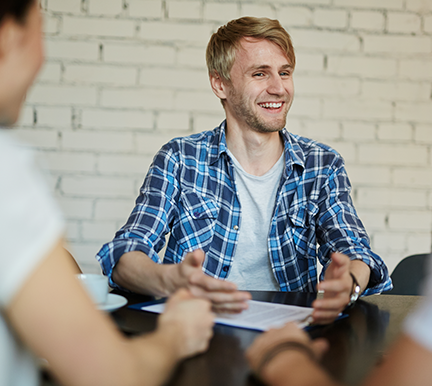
(235, 227)
(225, 268)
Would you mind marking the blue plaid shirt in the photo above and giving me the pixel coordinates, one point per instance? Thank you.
(190, 191)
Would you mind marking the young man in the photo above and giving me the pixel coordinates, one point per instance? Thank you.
(44, 312)
(248, 201)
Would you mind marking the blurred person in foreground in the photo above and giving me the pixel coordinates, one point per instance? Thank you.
(248, 205)
(44, 311)
(287, 356)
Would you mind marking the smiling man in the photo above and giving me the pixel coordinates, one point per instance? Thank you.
(249, 202)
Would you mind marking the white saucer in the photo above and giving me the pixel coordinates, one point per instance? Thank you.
(113, 302)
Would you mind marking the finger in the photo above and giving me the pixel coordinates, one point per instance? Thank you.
(319, 347)
(208, 283)
(221, 297)
(334, 304)
(335, 285)
(230, 308)
(180, 295)
(194, 258)
(339, 265)
(324, 317)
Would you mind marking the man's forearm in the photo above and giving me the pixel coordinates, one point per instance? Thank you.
(135, 271)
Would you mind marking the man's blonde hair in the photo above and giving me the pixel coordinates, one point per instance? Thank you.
(221, 49)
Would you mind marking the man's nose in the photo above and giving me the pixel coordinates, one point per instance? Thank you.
(275, 86)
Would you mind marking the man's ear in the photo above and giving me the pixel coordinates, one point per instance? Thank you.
(10, 35)
(218, 86)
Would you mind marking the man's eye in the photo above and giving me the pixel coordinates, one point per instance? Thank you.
(258, 74)
(285, 73)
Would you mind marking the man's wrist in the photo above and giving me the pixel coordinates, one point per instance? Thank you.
(355, 291)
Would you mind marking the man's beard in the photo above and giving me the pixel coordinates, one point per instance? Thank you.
(252, 119)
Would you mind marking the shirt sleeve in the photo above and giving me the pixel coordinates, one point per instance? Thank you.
(340, 230)
(149, 221)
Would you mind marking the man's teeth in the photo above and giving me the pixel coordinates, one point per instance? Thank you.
(271, 105)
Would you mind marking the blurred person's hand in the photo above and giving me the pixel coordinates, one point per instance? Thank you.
(190, 321)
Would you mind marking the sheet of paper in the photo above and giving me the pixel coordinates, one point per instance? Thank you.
(259, 316)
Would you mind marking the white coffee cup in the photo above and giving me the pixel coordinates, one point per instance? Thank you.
(96, 286)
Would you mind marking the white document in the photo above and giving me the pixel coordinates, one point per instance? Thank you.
(259, 316)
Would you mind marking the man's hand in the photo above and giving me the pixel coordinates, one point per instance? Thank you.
(223, 295)
(189, 320)
(337, 287)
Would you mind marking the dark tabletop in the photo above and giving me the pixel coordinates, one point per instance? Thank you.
(356, 343)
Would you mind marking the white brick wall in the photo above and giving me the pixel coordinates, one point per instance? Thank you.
(122, 77)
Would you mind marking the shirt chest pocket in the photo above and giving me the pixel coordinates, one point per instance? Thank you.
(196, 222)
(303, 215)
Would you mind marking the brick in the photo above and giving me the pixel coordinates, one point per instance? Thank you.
(151, 9)
(196, 101)
(67, 162)
(419, 177)
(174, 78)
(194, 57)
(257, 10)
(76, 208)
(305, 107)
(64, 6)
(384, 4)
(395, 132)
(79, 26)
(419, 243)
(105, 7)
(184, 10)
(345, 149)
(305, 2)
(369, 67)
(358, 131)
(295, 16)
(423, 134)
(102, 231)
(205, 122)
(357, 109)
(420, 6)
(172, 32)
(220, 11)
(116, 119)
(324, 85)
(382, 154)
(51, 72)
(113, 209)
(415, 112)
(132, 98)
(150, 143)
(75, 50)
(416, 69)
(63, 95)
(412, 220)
(400, 44)
(100, 74)
(367, 20)
(40, 138)
(54, 116)
(73, 231)
(124, 164)
(306, 62)
(373, 220)
(173, 121)
(391, 198)
(133, 54)
(325, 40)
(391, 241)
(329, 18)
(26, 117)
(294, 125)
(84, 253)
(366, 175)
(51, 25)
(97, 186)
(321, 131)
(97, 140)
(403, 23)
(396, 90)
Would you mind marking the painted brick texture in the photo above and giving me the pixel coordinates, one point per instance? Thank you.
(122, 77)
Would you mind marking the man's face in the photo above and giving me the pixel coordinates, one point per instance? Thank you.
(261, 90)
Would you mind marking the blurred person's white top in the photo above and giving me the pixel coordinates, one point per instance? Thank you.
(30, 225)
(418, 325)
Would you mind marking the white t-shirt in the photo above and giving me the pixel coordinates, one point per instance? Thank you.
(418, 324)
(30, 225)
(251, 268)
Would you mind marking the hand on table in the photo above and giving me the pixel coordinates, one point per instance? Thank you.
(266, 342)
(337, 286)
(190, 320)
(223, 295)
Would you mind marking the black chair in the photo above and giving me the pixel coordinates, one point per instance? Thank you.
(409, 274)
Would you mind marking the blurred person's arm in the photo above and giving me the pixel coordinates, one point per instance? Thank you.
(137, 272)
(53, 315)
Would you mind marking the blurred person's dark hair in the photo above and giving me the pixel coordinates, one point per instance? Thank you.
(15, 8)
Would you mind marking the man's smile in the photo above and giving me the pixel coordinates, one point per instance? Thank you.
(271, 105)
